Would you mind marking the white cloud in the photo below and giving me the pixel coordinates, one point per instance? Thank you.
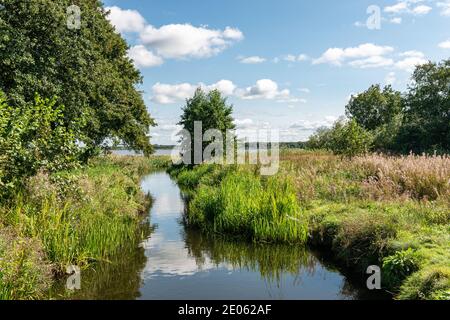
(445, 44)
(126, 20)
(412, 53)
(251, 60)
(397, 8)
(172, 93)
(290, 58)
(337, 56)
(421, 10)
(296, 58)
(372, 62)
(410, 60)
(445, 8)
(167, 93)
(226, 87)
(265, 89)
(307, 125)
(396, 20)
(390, 78)
(184, 40)
(144, 58)
(305, 90)
(243, 123)
(408, 7)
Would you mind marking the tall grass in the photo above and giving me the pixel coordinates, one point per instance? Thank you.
(78, 217)
(237, 202)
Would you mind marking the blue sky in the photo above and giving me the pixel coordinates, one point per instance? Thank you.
(289, 65)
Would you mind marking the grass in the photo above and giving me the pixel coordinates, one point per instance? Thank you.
(72, 218)
(238, 202)
(393, 212)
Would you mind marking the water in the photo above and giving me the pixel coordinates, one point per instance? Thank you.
(158, 152)
(179, 263)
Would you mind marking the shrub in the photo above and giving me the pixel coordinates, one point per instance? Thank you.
(399, 266)
(34, 138)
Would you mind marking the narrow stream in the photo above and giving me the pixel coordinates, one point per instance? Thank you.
(178, 263)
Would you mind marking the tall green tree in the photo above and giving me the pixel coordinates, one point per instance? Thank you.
(374, 107)
(86, 68)
(212, 110)
(426, 124)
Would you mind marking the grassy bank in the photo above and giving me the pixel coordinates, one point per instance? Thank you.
(393, 212)
(70, 218)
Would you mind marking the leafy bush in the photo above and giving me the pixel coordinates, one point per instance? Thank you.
(34, 138)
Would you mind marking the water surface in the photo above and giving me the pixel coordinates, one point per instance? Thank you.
(179, 263)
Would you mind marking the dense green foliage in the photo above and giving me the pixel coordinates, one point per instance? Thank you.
(426, 125)
(32, 138)
(374, 107)
(345, 138)
(416, 121)
(86, 68)
(212, 111)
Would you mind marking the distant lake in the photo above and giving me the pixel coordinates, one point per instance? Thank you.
(158, 152)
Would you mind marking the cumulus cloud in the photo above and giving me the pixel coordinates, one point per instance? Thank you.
(412, 7)
(372, 62)
(445, 44)
(410, 59)
(265, 89)
(185, 40)
(171, 93)
(445, 8)
(144, 58)
(126, 20)
(251, 60)
(172, 41)
(421, 10)
(337, 56)
(397, 8)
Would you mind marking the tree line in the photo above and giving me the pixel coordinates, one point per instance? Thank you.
(385, 120)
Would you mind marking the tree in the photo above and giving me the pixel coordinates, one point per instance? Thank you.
(345, 138)
(86, 68)
(349, 139)
(374, 107)
(211, 110)
(426, 125)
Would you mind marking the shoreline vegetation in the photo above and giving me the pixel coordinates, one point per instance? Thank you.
(77, 217)
(393, 212)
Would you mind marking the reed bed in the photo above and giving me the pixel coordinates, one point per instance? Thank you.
(235, 201)
(72, 218)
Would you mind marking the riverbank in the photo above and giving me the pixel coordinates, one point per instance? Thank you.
(373, 210)
(77, 218)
